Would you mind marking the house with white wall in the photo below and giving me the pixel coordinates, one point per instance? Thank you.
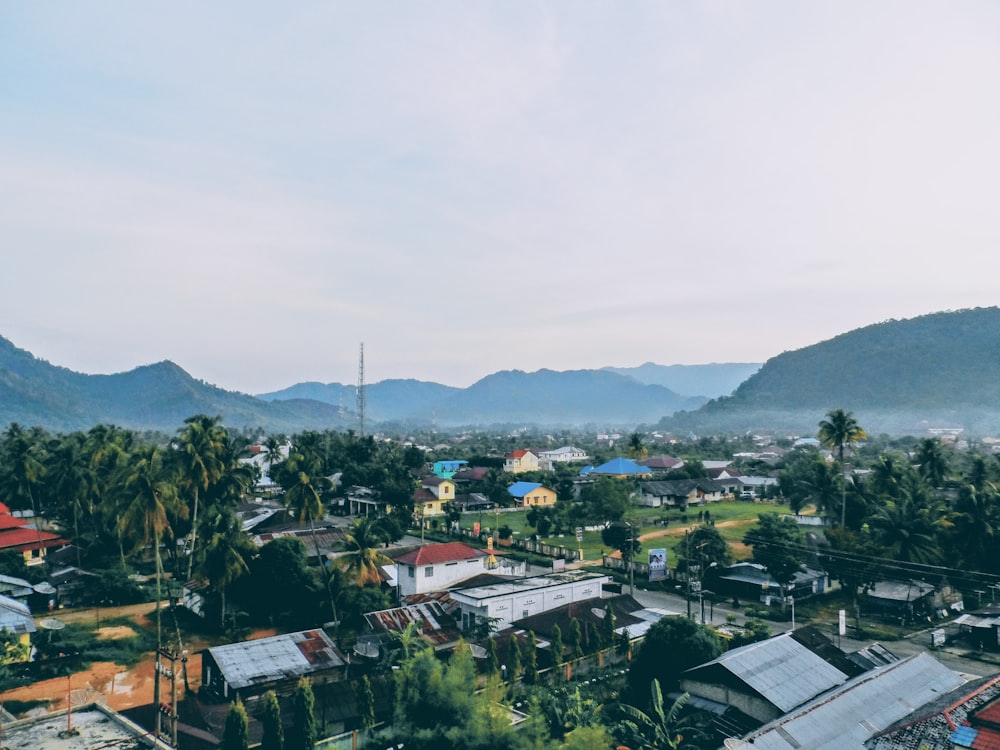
(514, 600)
(435, 567)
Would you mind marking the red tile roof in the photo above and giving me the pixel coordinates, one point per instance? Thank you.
(518, 454)
(430, 554)
(9, 522)
(28, 539)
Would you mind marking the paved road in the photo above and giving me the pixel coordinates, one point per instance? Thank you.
(952, 657)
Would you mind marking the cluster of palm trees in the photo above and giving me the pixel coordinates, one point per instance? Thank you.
(916, 503)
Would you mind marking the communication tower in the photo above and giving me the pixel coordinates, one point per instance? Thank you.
(361, 391)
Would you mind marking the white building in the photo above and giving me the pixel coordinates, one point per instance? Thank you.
(523, 597)
(435, 567)
(566, 454)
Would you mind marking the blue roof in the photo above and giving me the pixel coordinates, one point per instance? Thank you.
(520, 489)
(621, 466)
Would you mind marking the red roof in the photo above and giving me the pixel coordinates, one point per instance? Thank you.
(9, 522)
(430, 554)
(28, 539)
(518, 454)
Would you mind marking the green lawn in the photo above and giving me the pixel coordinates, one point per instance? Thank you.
(732, 520)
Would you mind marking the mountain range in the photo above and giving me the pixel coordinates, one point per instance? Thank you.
(898, 376)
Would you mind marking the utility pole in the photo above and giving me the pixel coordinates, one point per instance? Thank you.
(170, 711)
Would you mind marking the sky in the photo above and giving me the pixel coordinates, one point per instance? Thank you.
(253, 189)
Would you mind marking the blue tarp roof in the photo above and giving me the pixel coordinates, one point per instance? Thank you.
(619, 466)
(520, 489)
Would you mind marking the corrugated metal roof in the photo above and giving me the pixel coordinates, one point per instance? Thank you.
(781, 669)
(15, 616)
(848, 716)
(276, 658)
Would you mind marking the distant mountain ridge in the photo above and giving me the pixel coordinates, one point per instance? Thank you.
(898, 376)
(708, 381)
(545, 397)
(151, 397)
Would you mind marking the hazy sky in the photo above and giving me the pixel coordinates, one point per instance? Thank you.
(252, 190)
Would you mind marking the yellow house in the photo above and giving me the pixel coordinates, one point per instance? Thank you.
(518, 461)
(434, 494)
(531, 494)
(15, 618)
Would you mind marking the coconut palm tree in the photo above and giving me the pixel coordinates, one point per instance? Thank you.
(303, 500)
(839, 430)
(152, 499)
(636, 448)
(226, 554)
(932, 461)
(22, 469)
(199, 449)
(363, 559)
(72, 483)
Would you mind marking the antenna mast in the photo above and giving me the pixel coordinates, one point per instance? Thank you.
(361, 391)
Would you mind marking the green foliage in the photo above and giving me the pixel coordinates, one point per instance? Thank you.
(556, 645)
(492, 660)
(754, 630)
(778, 545)
(514, 658)
(531, 660)
(623, 538)
(606, 500)
(575, 639)
(273, 737)
(303, 733)
(659, 728)
(366, 704)
(235, 735)
(672, 645)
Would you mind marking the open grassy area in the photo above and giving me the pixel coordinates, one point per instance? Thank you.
(665, 527)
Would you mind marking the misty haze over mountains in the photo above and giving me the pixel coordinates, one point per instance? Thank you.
(896, 376)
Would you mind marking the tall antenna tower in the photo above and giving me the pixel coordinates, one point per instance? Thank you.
(361, 391)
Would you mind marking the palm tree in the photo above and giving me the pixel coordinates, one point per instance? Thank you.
(660, 728)
(363, 558)
(838, 430)
(23, 470)
(198, 454)
(72, 482)
(225, 555)
(636, 448)
(303, 501)
(932, 462)
(274, 444)
(906, 527)
(152, 498)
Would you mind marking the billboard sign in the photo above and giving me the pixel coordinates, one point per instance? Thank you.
(657, 564)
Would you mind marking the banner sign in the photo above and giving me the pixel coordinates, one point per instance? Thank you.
(657, 564)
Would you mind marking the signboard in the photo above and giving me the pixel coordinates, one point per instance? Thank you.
(657, 564)
(842, 622)
(579, 534)
(475, 528)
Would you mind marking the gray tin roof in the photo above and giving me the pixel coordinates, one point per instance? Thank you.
(277, 658)
(780, 669)
(845, 718)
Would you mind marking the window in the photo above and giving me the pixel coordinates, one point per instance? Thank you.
(411, 570)
(429, 571)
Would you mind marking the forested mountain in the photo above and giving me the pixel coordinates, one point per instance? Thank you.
(898, 376)
(708, 381)
(153, 397)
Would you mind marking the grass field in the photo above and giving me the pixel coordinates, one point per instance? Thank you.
(732, 519)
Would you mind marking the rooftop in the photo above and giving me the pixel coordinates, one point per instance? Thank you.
(431, 554)
(96, 727)
(521, 585)
(276, 658)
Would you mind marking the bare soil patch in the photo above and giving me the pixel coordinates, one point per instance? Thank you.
(115, 632)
